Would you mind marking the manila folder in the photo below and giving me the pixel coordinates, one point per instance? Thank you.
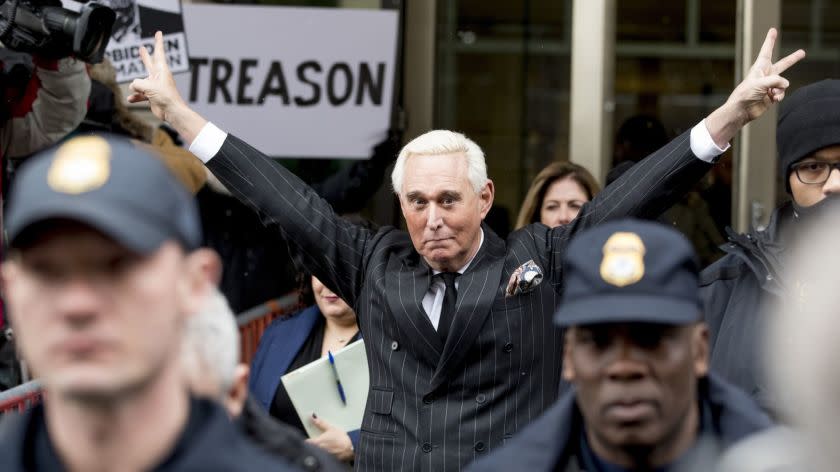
(312, 389)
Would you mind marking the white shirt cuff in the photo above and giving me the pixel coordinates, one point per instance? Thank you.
(702, 144)
(210, 140)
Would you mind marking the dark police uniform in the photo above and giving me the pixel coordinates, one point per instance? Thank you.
(625, 272)
(128, 195)
(209, 442)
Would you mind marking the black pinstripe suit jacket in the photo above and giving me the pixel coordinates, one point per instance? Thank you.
(435, 406)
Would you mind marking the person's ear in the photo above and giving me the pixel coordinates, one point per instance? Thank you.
(700, 343)
(209, 263)
(485, 197)
(238, 393)
(198, 279)
(568, 367)
(9, 271)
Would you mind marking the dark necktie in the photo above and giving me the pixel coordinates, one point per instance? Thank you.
(450, 297)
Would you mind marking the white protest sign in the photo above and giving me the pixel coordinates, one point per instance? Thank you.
(135, 26)
(293, 82)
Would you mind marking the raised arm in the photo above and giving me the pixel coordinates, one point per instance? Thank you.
(333, 248)
(661, 179)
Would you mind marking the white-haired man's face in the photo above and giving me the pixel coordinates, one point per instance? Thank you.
(442, 211)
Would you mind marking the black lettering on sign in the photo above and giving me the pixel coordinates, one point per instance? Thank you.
(275, 74)
(340, 83)
(220, 72)
(316, 89)
(334, 98)
(367, 82)
(244, 80)
(135, 67)
(195, 66)
(119, 68)
(172, 43)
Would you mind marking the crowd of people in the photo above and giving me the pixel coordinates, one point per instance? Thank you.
(592, 338)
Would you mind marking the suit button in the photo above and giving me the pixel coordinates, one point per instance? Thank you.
(395, 345)
(480, 398)
(427, 447)
(479, 446)
(427, 400)
(508, 347)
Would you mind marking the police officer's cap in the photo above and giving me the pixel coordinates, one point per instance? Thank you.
(630, 271)
(109, 184)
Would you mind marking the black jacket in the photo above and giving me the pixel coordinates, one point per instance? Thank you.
(737, 290)
(210, 442)
(282, 440)
(551, 442)
(435, 404)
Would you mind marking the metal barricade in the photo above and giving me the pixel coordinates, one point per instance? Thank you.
(20, 398)
(253, 322)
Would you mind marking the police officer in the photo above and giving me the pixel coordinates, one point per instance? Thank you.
(636, 355)
(103, 270)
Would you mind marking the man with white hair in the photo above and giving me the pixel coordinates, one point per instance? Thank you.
(457, 323)
(211, 355)
(210, 360)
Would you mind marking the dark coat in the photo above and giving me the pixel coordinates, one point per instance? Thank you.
(551, 442)
(436, 405)
(210, 442)
(283, 441)
(279, 345)
(737, 291)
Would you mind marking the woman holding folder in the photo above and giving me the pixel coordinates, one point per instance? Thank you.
(293, 342)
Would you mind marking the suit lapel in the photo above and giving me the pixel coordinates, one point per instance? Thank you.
(406, 284)
(477, 288)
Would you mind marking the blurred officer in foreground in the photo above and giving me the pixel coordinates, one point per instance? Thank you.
(741, 289)
(214, 371)
(102, 273)
(636, 355)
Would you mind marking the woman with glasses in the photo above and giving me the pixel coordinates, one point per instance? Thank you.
(740, 287)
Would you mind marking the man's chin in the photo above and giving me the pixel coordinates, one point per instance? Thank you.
(632, 437)
(93, 385)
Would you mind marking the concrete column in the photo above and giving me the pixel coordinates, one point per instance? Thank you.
(418, 81)
(756, 164)
(419, 77)
(592, 89)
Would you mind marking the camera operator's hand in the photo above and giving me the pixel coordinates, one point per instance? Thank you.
(160, 91)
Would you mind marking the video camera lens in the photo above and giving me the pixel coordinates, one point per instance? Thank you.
(84, 34)
(93, 30)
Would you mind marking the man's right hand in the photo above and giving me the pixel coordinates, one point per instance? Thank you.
(159, 89)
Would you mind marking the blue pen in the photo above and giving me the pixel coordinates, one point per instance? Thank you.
(337, 380)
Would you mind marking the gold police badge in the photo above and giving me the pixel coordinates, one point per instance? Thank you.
(623, 263)
(80, 165)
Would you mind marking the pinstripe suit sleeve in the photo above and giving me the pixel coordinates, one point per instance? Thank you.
(332, 248)
(647, 189)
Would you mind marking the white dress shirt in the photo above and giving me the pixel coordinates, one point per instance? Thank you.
(210, 140)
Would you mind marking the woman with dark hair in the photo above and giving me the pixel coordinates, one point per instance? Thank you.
(328, 324)
(557, 194)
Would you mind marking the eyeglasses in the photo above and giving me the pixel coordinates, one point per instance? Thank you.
(814, 172)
